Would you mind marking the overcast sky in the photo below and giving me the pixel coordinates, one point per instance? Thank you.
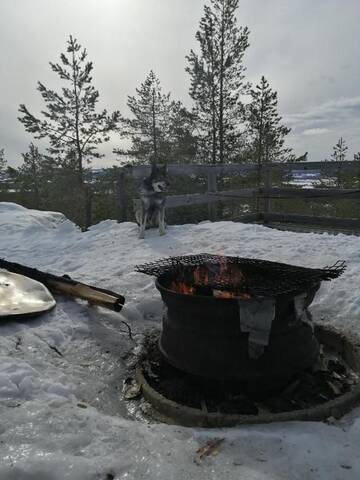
(307, 49)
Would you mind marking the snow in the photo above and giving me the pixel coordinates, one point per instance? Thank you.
(61, 374)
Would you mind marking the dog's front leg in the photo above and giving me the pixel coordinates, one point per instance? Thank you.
(161, 218)
(143, 225)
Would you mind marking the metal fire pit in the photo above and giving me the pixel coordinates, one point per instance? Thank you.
(260, 336)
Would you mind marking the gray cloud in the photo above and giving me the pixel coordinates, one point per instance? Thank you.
(315, 131)
(319, 127)
(331, 112)
(305, 49)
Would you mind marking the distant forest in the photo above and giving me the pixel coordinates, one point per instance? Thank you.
(230, 121)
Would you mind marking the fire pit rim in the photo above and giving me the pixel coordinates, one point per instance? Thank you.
(345, 343)
(199, 296)
(256, 298)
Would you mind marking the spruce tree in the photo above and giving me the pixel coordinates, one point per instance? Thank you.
(218, 81)
(339, 155)
(339, 151)
(3, 183)
(160, 128)
(35, 175)
(2, 161)
(265, 132)
(70, 122)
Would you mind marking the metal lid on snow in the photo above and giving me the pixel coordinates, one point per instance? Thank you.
(21, 296)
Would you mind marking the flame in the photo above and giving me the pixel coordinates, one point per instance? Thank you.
(205, 275)
(182, 287)
(228, 294)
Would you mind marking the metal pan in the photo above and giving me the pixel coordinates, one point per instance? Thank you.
(22, 296)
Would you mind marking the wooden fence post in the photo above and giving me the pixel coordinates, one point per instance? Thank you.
(212, 187)
(259, 172)
(121, 200)
(88, 206)
(268, 186)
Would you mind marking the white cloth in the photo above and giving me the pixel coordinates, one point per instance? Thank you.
(256, 317)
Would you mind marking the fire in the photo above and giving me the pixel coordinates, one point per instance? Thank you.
(206, 277)
(227, 294)
(182, 287)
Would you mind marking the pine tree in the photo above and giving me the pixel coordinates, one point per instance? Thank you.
(339, 151)
(217, 81)
(339, 155)
(3, 183)
(36, 172)
(70, 122)
(266, 133)
(182, 141)
(2, 161)
(160, 128)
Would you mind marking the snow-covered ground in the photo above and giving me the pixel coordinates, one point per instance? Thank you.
(61, 374)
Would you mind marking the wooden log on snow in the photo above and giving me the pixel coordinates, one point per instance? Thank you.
(67, 286)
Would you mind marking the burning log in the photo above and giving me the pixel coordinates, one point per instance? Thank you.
(66, 285)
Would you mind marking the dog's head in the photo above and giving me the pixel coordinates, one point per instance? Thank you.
(158, 178)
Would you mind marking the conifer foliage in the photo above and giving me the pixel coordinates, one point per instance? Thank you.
(2, 160)
(265, 131)
(218, 81)
(70, 122)
(339, 151)
(35, 174)
(160, 128)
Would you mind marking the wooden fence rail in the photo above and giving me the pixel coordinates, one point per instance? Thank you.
(267, 193)
(140, 171)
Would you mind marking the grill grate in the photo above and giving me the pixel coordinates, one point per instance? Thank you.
(246, 275)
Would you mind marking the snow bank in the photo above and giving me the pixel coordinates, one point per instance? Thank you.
(61, 374)
(15, 218)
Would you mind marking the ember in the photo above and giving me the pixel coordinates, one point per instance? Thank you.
(200, 280)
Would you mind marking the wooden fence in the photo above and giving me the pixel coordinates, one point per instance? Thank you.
(267, 192)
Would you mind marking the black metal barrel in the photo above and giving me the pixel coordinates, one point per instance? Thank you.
(201, 335)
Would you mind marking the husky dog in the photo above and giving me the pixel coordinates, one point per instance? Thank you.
(152, 197)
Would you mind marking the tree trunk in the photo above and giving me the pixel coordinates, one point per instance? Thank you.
(77, 133)
(221, 93)
(154, 129)
(36, 185)
(213, 120)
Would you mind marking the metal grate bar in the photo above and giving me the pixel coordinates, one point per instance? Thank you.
(261, 277)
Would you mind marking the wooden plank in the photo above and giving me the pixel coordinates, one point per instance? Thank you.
(237, 193)
(322, 166)
(184, 200)
(212, 188)
(173, 201)
(189, 199)
(249, 218)
(88, 206)
(121, 198)
(312, 220)
(331, 193)
(284, 192)
(140, 171)
(267, 189)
